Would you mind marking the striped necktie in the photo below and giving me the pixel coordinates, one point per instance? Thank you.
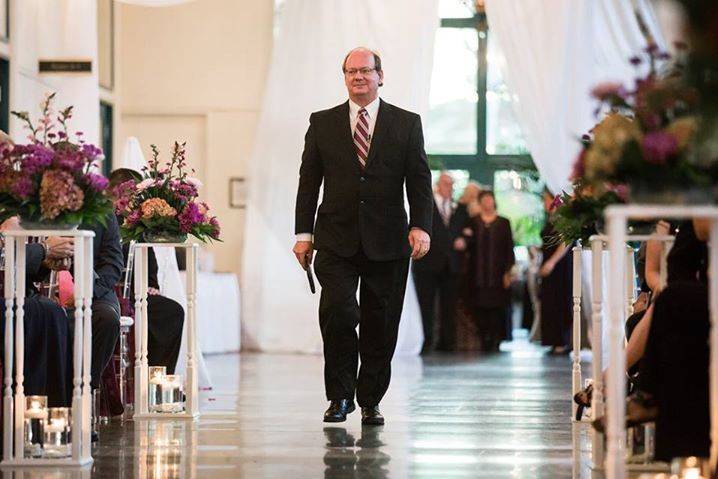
(361, 137)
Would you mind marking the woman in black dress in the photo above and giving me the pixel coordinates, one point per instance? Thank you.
(555, 290)
(674, 369)
(491, 250)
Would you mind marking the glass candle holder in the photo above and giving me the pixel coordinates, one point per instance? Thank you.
(172, 394)
(35, 418)
(157, 376)
(690, 467)
(57, 433)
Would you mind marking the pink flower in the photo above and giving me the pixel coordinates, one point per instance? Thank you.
(658, 146)
(604, 91)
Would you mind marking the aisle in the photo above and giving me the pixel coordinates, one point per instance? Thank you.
(503, 415)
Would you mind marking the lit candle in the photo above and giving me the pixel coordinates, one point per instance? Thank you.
(154, 396)
(57, 424)
(172, 400)
(36, 411)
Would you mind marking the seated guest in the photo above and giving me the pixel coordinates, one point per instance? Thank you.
(165, 316)
(674, 369)
(107, 270)
(47, 360)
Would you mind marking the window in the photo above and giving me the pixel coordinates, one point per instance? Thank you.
(106, 136)
(471, 124)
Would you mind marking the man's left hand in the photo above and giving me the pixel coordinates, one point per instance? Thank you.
(420, 242)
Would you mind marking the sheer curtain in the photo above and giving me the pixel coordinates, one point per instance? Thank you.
(279, 313)
(555, 53)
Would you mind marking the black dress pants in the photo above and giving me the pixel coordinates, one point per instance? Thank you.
(164, 331)
(382, 285)
(428, 285)
(105, 333)
(48, 363)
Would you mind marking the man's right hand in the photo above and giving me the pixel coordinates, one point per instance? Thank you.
(303, 250)
(59, 247)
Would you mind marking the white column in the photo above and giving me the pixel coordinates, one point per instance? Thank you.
(78, 404)
(192, 386)
(140, 405)
(616, 383)
(630, 280)
(713, 280)
(87, 291)
(9, 330)
(597, 345)
(19, 345)
(576, 326)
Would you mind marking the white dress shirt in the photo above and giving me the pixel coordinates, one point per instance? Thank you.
(372, 110)
(445, 206)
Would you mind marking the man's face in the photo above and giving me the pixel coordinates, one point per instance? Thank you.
(360, 75)
(445, 186)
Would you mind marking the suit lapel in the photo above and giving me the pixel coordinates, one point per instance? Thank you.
(381, 127)
(344, 133)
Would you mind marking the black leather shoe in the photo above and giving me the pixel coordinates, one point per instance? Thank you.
(338, 410)
(371, 416)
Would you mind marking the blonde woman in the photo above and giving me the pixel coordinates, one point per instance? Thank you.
(468, 207)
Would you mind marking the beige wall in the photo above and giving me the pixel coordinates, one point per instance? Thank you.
(196, 72)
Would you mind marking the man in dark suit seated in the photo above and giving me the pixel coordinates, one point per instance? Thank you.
(364, 151)
(107, 269)
(436, 273)
(48, 365)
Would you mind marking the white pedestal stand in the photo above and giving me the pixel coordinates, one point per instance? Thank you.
(141, 365)
(616, 219)
(14, 407)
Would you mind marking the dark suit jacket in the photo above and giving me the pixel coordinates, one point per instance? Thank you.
(107, 251)
(364, 209)
(442, 243)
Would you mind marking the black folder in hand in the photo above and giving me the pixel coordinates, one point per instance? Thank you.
(310, 278)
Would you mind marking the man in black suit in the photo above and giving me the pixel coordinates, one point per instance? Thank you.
(107, 256)
(364, 151)
(437, 271)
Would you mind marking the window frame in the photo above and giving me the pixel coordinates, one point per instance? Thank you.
(482, 165)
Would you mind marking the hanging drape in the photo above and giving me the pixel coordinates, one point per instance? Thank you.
(279, 314)
(556, 51)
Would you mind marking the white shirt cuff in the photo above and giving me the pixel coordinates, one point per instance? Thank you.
(304, 237)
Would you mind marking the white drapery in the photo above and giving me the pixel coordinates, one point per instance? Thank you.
(555, 53)
(168, 275)
(280, 314)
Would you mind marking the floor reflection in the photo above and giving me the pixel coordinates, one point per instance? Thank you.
(350, 457)
(167, 450)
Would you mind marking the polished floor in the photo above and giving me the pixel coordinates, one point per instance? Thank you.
(448, 416)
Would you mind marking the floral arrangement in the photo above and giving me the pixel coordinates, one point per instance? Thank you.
(577, 216)
(49, 181)
(646, 140)
(164, 205)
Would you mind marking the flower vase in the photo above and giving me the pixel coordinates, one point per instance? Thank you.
(694, 195)
(29, 224)
(163, 237)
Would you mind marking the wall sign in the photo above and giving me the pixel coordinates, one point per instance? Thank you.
(65, 66)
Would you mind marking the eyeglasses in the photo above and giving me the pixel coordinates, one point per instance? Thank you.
(353, 71)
